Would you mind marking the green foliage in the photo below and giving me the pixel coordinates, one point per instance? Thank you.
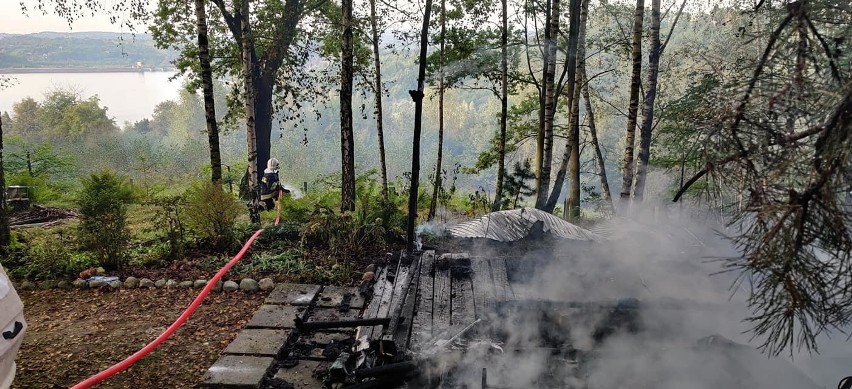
(63, 113)
(212, 213)
(516, 187)
(295, 210)
(370, 208)
(103, 217)
(679, 139)
(342, 235)
(40, 189)
(46, 171)
(170, 224)
(276, 236)
(37, 160)
(289, 264)
(38, 255)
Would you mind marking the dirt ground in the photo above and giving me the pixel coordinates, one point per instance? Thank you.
(74, 334)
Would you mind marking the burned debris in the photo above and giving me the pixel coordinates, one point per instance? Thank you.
(456, 320)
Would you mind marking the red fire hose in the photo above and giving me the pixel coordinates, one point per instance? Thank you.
(129, 361)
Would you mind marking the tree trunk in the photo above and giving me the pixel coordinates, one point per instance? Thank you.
(542, 91)
(549, 107)
(263, 89)
(347, 142)
(379, 117)
(635, 80)
(30, 163)
(251, 138)
(572, 206)
(5, 234)
(504, 106)
(437, 187)
(648, 104)
(207, 87)
(417, 96)
(599, 160)
(576, 58)
(264, 66)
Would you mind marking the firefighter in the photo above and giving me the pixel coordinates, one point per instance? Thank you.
(270, 184)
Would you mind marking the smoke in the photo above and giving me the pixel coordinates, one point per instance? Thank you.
(650, 308)
(295, 192)
(435, 229)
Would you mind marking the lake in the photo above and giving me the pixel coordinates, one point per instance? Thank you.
(129, 96)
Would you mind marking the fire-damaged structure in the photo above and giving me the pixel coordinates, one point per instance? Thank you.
(548, 314)
(454, 320)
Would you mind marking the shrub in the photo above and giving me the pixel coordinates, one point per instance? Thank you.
(342, 234)
(103, 217)
(39, 254)
(212, 214)
(169, 224)
(371, 210)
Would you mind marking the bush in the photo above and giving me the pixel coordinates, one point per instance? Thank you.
(212, 214)
(39, 255)
(103, 218)
(342, 234)
(169, 224)
(371, 210)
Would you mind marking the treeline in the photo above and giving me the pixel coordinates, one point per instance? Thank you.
(76, 50)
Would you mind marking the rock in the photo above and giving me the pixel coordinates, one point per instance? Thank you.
(131, 283)
(146, 283)
(198, 284)
(78, 283)
(100, 271)
(249, 285)
(63, 284)
(116, 284)
(160, 283)
(185, 284)
(266, 284)
(171, 284)
(47, 284)
(218, 286)
(88, 273)
(27, 285)
(97, 284)
(230, 286)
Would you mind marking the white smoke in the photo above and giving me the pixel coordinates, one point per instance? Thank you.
(692, 329)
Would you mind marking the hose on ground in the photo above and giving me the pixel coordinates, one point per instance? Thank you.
(129, 361)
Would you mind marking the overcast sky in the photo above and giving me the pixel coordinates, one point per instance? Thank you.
(13, 21)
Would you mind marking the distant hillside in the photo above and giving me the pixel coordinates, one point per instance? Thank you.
(80, 50)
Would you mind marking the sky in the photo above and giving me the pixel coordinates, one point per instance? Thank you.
(13, 21)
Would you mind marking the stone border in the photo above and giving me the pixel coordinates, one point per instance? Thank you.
(245, 284)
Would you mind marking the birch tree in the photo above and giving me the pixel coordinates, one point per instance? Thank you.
(633, 108)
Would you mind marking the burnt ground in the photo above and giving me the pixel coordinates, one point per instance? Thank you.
(74, 334)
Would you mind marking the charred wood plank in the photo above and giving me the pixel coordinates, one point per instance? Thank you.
(422, 323)
(389, 369)
(404, 324)
(381, 297)
(502, 289)
(463, 310)
(400, 285)
(443, 300)
(483, 288)
(304, 326)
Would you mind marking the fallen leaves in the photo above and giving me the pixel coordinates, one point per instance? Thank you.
(73, 334)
